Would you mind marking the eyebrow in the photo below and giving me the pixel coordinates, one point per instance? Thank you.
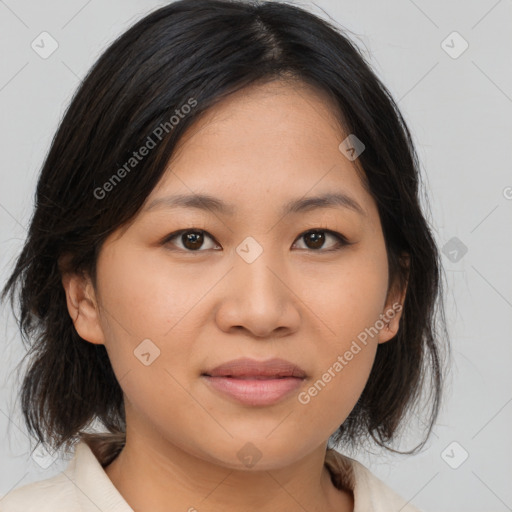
(208, 202)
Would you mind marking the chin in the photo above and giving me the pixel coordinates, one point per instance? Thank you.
(258, 454)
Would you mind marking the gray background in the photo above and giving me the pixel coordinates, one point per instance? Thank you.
(459, 112)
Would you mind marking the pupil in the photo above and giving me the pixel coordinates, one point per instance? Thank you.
(194, 238)
(318, 239)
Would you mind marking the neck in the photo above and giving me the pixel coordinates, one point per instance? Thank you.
(153, 477)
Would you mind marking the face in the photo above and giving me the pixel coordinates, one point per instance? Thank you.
(185, 289)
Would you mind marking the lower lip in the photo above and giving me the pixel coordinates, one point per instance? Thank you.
(255, 391)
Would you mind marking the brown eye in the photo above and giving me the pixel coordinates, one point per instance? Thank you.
(315, 240)
(192, 240)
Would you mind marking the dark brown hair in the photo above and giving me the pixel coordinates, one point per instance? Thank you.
(206, 50)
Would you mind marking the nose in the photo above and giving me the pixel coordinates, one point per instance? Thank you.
(259, 298)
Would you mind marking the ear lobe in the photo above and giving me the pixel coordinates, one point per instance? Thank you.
(82, 307)
(391, 319)
(394, 305)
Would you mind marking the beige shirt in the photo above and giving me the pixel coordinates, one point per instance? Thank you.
(84, 486)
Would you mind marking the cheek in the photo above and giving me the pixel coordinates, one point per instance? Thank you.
(348, 298)
(339, 380)
(139, 303)
(349, 307)
(145, 297)
(148, 338)
(333, 392)
(158, 399)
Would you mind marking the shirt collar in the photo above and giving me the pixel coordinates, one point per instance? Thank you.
(94, 490)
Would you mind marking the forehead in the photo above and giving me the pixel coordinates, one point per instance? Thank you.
(264, 146)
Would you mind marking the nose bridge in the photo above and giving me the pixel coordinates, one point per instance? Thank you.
(256, 266)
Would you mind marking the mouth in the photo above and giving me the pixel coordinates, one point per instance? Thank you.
(255, 383)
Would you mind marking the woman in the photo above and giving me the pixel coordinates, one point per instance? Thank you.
(229, 268)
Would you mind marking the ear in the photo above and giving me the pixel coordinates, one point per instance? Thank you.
(83, 307)
(394, 303)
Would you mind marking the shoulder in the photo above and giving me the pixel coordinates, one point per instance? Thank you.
(53, 494)
(377, 493)
(370, 493)
(83, 486)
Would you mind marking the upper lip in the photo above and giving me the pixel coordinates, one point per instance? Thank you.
(245, 367)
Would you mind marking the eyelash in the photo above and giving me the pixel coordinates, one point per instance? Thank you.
(342, 241)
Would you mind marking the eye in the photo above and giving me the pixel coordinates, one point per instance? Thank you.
(316, 239)
(192, 240)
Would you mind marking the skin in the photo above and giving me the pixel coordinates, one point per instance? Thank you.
(256, 150)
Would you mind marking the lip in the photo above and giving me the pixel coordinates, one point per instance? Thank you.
(246, 367)
(255, 383)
